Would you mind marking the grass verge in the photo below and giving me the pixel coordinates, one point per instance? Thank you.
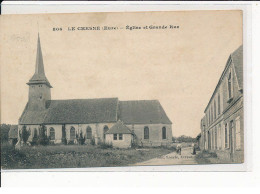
(74, 156)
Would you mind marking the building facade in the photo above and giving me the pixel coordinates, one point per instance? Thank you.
(222, 127)
(66, 120)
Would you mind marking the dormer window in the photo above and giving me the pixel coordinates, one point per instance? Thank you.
(230, 86)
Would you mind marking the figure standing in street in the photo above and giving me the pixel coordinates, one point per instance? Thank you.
(179, 149)
(193, 149)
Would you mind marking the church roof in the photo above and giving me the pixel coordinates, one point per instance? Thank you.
(102, 110)
(39, 75)
(13, 132)
(32, 117)
(119, 127)
(82, 111)
(142, 112)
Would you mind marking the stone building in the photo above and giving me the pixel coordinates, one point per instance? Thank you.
(222, 127)
(66, 120)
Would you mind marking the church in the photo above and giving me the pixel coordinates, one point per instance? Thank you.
(107, 120)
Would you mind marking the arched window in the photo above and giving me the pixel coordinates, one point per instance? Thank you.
(72, 133)
(163, 133)
(89, 133)
(52, 134)
(105, 130)
(35, 133)
(146, 133)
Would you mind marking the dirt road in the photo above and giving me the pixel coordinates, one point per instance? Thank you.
(173, 158)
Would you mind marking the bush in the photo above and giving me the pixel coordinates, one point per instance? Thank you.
(4, 132)
(81, 139)
(25, 134)
(104, 145)
(42, 138)
(92, 142)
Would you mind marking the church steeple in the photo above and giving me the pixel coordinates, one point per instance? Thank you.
(39, 75)
(39, 86)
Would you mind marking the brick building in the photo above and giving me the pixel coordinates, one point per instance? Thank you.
(91, 118)
(222, 127)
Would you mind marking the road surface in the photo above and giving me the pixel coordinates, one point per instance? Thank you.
(173, 158)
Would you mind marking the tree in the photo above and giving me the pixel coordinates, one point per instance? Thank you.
(185, 138)
(25, 134)
(4, 132)
(43, 138)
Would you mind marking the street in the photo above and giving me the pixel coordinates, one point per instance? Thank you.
(173, 158)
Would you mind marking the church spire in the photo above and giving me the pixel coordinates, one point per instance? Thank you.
(39, 75)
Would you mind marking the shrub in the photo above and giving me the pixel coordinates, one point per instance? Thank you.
(25, 134)
(4, 129)
(81, 138)
(92, 142)
(70, 142)
(42, 138)
(104, 145)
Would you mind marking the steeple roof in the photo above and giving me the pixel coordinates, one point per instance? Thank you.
(39, 75)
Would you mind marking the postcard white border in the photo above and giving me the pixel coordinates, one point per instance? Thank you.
(14, 177)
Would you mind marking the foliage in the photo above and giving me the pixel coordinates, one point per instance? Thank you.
(81, 139)
(104, 145)
(92, 142)
(43, 139)
(25, 134)
(74, 156)
(185, 138)
(4, 132)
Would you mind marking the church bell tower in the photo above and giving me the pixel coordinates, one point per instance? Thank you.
(39, 86)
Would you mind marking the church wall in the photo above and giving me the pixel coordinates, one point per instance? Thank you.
(155, 134)
(97, 130)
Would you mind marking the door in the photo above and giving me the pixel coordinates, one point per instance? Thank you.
(209, 138)
(232, 139)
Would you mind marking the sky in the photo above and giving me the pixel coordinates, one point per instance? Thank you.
(180, 67)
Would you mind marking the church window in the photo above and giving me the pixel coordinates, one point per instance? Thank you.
(120, 136)
(89, 133)
(115, 136)
(52, 134)
(72, 133)
(163, 133)
(104, 131)
(146, 133)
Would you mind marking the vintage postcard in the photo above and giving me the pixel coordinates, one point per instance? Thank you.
(121, 89)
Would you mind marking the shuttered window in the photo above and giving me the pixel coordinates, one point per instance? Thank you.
(238, 134)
